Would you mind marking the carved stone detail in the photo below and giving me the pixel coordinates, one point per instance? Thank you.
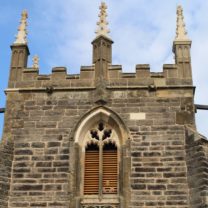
(21, 37)
(102, 23)
(36, 62)
(101, 134)
(181, 33)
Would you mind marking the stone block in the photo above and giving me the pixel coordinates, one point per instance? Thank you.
(142, 71)
(137, 116)
(58, 73)
(184, 117)
(87, 72)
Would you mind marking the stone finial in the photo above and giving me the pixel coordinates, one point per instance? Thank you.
(21, 37)
(36, 62)
(102, 23)
(181, 33)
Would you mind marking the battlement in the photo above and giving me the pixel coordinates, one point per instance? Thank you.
(31, 78)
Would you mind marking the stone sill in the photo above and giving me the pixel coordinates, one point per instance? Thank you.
(106, 199)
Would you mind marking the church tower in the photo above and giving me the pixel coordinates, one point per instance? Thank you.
(103, 138)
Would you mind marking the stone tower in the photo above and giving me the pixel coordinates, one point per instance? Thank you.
(102, 139)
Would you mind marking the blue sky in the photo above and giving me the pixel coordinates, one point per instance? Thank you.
(60, 32)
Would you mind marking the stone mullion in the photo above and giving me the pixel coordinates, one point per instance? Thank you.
(100, 169)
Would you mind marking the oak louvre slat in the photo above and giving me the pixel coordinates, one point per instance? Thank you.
(91, 180)
(110, 171)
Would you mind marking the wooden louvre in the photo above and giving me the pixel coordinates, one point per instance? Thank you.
(91, 178)
(110, 169)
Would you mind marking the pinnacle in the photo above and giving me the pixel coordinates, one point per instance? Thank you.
(36, 62)
(21, 37)
(181, 33)
(102, 23)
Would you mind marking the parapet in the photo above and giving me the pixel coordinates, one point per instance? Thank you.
(142, 77)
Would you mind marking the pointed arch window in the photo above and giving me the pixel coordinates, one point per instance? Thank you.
(101, 161)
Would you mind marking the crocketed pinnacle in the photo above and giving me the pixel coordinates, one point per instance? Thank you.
(36, 62)
(181, 33)
(102, 23)
(21, 37)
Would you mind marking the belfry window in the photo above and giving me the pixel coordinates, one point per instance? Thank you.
(101, 161)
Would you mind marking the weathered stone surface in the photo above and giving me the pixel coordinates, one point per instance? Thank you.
(43, 152)
(6, 158)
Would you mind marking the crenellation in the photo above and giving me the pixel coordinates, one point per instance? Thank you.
(30, 70)
(169, 66)
(59, 70)
(142, 71)
(30, 74)
(157, 74)
(73, 76)
(43, 77)
(171, 74)
(128, 75)
(114, 71)
(143, 77)
(88, 68)
(87, 72)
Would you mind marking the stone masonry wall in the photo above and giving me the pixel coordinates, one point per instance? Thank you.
(197, 162)
(42, 174)
(158, 170)
(42, 163)
(6, 157)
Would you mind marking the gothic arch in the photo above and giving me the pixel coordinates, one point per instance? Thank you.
(122, 140)
(105, 114)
